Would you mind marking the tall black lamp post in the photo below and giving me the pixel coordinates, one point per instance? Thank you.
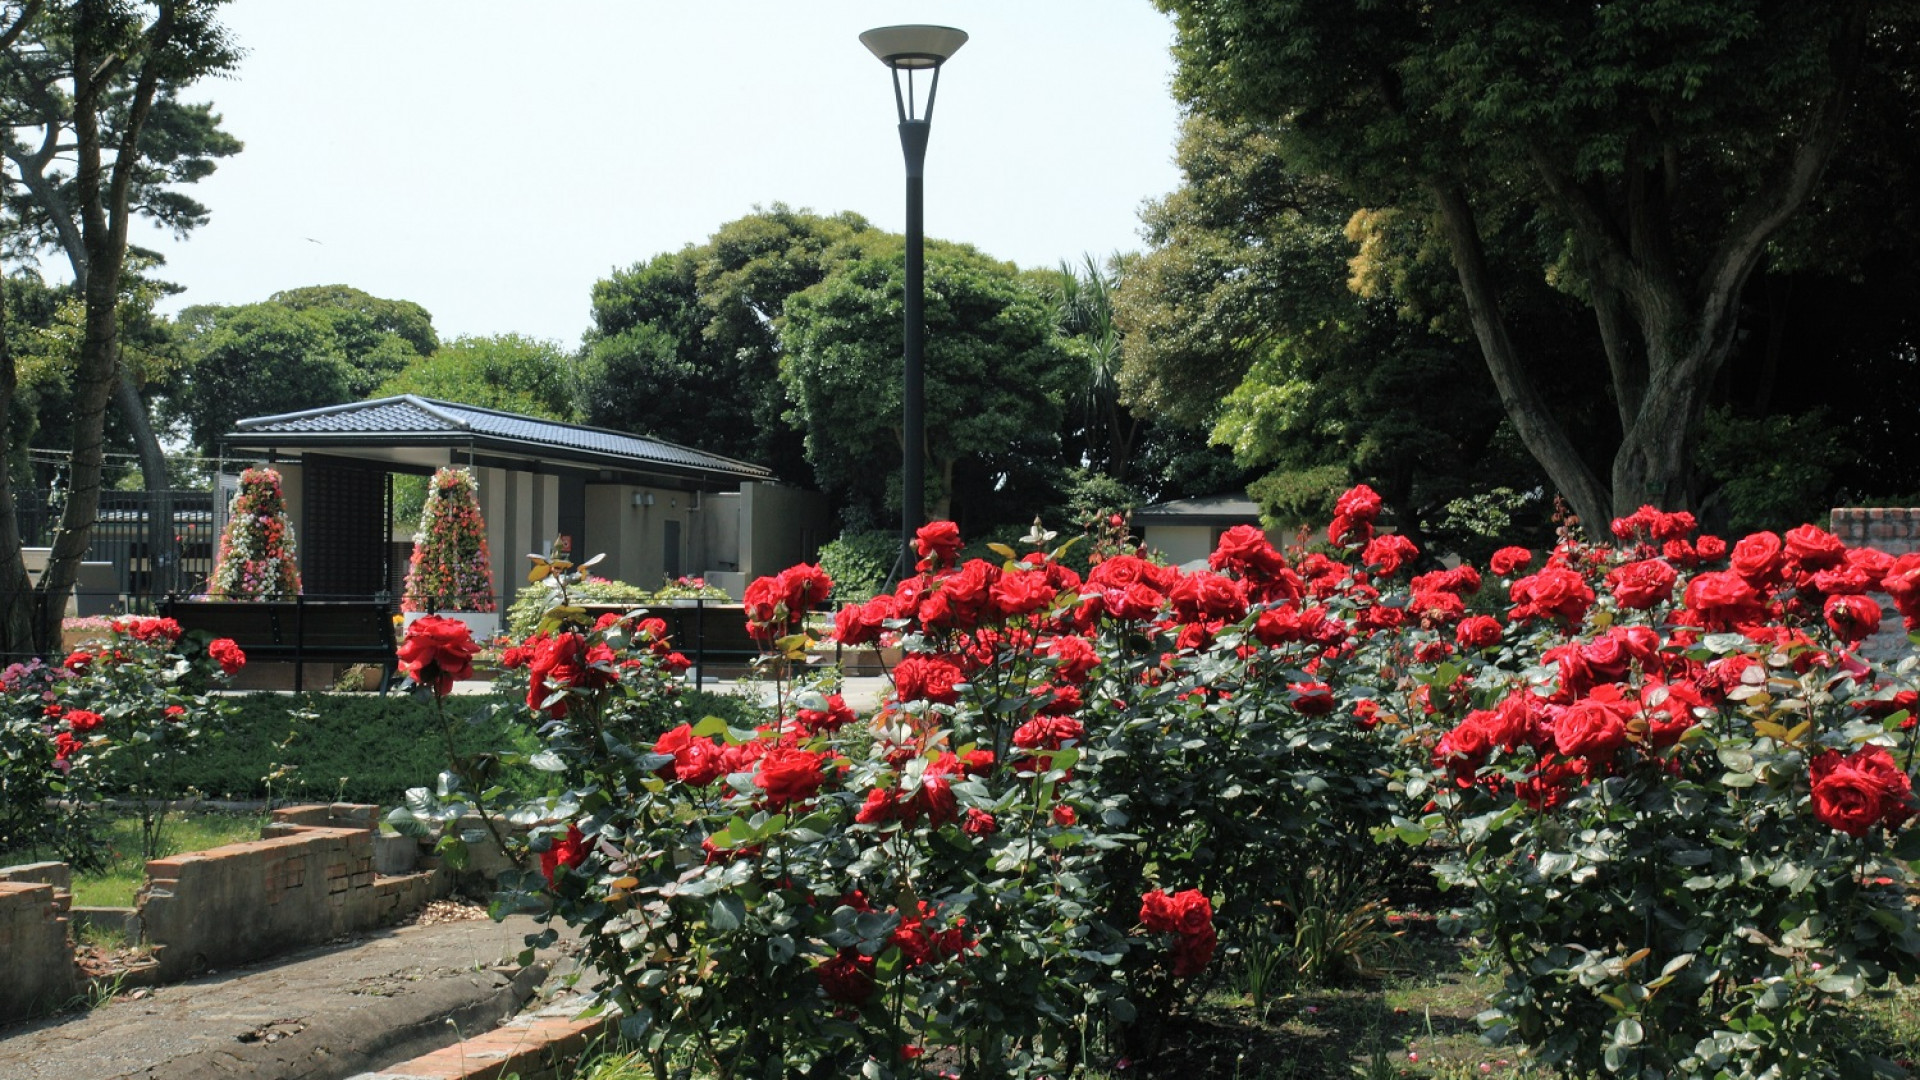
(909, 49)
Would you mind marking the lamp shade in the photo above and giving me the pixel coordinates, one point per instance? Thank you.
(913, 46)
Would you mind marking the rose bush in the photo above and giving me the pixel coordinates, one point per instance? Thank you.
(1676, 802)
(108, 720)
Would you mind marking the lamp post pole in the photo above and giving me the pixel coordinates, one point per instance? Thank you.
(909, 49)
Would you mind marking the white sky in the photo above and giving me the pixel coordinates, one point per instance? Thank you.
(490, 160)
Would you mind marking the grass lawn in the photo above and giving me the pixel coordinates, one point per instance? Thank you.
(115, 885)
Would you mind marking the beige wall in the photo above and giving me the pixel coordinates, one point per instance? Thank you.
(782, 526)
(1179, 543)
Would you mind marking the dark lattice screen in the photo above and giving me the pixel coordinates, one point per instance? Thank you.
(345, 550)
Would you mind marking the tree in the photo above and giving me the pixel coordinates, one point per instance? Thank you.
(1255, 317)
(996, 391)
(505, 371)
(178, 143)
(686, 346)
(1084, 319)
(112, 61)
(378, 338)
(254, 360)
(1656, 150)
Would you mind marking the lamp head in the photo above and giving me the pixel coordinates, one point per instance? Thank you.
(913, 47)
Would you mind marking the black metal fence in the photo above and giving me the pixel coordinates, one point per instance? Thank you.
(144, 567)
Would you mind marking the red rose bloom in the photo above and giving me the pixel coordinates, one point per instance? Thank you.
(1853, 618)
(1594, 727)
(789, 775)
(1552, 593)
(1814, 548)
(1245, 550)
(1311, 698)
(569, 851)
(1759, 558)
(438, 652)
(847, 978)
(1202, 596)
(83, 720)
(938, 543)
(1719, 599)
(226, 653)
(1509, 559)
(1387, 554)
(1854, 792)
(1477, 632)
(1638, 586)
(928, 678)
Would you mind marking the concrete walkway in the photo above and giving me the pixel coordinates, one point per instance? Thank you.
(320, 1014)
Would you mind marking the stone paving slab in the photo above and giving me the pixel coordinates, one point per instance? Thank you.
(319, 1014)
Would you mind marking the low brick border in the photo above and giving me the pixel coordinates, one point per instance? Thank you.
(536, 1046)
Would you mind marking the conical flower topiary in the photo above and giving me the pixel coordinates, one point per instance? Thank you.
(257, 558)
(450, 570)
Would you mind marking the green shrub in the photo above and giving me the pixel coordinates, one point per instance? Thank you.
(527, 607)
(859, 562)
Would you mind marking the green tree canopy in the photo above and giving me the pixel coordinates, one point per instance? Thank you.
(1653, 150)
(686, 346)
(254, 360)
(504, 371)
(997, 382)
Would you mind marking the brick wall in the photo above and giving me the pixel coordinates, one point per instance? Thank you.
(34, 944)
(1893, 530)
(544, 1045)
(249, 901)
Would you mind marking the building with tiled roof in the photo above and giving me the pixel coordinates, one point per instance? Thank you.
(654, 509)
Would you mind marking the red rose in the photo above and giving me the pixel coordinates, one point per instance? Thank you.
(1594, 727)
(1245, 550)
(938, 543)
(65, 745)
(1073, 657)
(1311, 698)
(836, 715)
(1759, 558)
(1065, 816)
(1478, 632)
(862, 624)
(978, 822)
(563, 662)
(1387, 554)
(1638, 586)
(83, 720)
(438, 652)
(1509, 559)
(1201, 596)
(1722, 598)
(1193, 912)
(226, 653)
(928, 678)
(789, 775)
(847, 978)
(569, 851)
(1552, 593)
(1360, 504)
(1853, 792)
(1022, 593)
(1157, 912)
(805, 586)
(1853, 618)
(1814, 548)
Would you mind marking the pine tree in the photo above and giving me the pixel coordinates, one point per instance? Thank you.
(257, 554)
(451, 570)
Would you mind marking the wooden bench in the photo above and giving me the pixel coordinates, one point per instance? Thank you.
(299, 631)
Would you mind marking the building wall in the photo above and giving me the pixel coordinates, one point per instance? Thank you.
(781, 526)
(1896, 531)
(1179, 543)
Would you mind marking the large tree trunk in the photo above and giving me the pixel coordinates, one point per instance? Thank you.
(1542, 435)
(17, 597)
(103, 200)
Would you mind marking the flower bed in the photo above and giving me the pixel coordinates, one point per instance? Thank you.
(1671, 797)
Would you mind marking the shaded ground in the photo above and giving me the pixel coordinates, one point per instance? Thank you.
(318, 1014)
